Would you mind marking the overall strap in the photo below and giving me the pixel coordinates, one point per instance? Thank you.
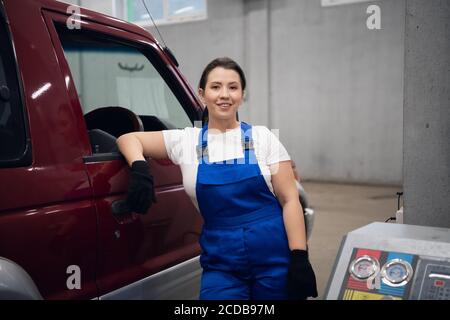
(246, 140)
(202, 146)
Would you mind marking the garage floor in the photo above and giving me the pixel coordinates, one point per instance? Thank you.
(341, 208)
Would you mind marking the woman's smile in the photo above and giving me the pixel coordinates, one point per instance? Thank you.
(224, 105)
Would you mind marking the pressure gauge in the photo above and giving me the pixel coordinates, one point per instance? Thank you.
(364, 267)
(396, 273)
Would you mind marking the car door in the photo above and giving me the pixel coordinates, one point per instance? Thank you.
(122, 83)
(48, 222)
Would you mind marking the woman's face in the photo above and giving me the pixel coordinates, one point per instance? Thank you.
(223, 93)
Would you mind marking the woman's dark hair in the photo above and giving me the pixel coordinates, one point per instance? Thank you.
(226, 63)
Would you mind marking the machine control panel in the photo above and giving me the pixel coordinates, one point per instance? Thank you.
(383, 261)
(433, 280)
(376, 274)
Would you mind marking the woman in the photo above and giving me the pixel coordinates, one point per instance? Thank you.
(254, 243)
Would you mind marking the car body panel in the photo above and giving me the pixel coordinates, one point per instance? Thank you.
(55, 214)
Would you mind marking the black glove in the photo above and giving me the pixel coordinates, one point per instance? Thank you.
(141, 192)
(301, 277)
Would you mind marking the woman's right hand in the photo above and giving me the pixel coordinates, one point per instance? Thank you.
(141, 191)
(134, 146)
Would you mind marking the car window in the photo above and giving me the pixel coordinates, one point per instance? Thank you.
(112, 78)
(13, 140)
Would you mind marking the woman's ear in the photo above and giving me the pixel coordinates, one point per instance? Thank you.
(244, 95)
(200, 94)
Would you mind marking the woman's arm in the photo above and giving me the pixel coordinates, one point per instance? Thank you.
(283, 183)
(135, 145)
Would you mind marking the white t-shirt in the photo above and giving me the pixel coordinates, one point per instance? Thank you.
(181, 148)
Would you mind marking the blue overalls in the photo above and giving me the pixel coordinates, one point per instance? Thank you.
(245, 247)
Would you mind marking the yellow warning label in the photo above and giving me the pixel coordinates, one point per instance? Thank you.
(360, 295)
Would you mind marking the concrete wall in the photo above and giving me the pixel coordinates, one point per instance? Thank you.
(104, 6)
(337, 89)
(427, 113)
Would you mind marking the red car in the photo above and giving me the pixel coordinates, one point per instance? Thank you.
(71, 81)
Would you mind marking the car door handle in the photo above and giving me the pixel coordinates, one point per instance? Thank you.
(120, 207)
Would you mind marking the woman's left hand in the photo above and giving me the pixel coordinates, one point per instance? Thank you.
(301, 277)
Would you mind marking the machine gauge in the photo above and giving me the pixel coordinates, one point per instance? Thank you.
(364, 267)
(396, 273)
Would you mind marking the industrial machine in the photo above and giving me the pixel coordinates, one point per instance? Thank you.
(387, 261)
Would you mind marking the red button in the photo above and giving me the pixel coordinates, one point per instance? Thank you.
(439, 283)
